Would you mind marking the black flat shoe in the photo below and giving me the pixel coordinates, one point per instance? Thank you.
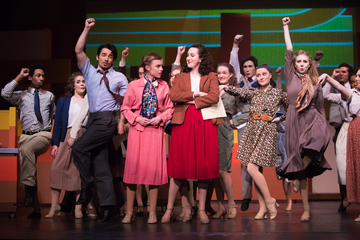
(245, 204)
(85, 196)
(34, 215)
(109, 214)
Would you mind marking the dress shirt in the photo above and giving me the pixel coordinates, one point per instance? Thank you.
(100, 99)
(354, 99)
(336, 98)
(25, 102)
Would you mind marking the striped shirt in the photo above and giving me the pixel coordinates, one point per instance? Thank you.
(24, 100)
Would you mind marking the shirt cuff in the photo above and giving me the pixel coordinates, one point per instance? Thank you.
(122, 64)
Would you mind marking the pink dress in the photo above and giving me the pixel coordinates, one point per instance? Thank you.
(146, 149)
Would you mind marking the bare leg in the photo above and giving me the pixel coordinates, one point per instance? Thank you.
(130, 192)
(152, 198)
(203, 185)
(174, 186)
(55, 194)
(287, 191)
(219, 195)
(262, 210)
(305, 199)
(228, 186)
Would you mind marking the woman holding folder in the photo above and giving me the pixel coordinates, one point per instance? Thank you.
(193, 152)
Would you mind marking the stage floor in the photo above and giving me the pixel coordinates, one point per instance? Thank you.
(325, 224)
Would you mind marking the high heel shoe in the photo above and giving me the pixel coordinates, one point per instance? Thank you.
(203, 220)
(78, 212)
(167, 220)
(272, 209)
(53, 211)
(128, 218)
(261, 214)
(232, 212)
(220, 213)
(152, 218)
(187, 217)
(305, 216)
(357, 219)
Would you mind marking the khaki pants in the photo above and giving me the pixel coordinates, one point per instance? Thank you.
(30, 147)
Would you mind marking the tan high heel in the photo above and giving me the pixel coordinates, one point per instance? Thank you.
(204, 220)
(187, 217)
(78, 212)
(167, 220)
(53, 211)
(232, 212)
(261, 214)
(152, 218)
(128, 218)
(305, 217)
(357, 219)
(272, 209)
(219, 214)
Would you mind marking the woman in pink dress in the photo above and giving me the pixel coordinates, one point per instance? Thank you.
(147, 107)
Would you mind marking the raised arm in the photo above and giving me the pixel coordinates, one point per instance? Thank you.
(8, 91)
(180, 52)
(234, 56)
(278, 79)
(79, 48)
(335, 84)
(122, 63)
(288, 43)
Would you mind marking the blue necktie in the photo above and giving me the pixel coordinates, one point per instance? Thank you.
(37, 106)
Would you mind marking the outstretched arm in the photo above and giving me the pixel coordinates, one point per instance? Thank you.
(288, 43)
(79, 48)
(335, 84)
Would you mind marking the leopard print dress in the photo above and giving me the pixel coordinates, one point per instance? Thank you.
(258, 143)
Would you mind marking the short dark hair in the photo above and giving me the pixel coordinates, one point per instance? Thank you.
(349, 67)
(109, 46)
(245, 59)
(35, 66)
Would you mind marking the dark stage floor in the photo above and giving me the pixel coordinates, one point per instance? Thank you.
(325, 224)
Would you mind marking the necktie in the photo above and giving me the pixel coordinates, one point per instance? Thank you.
(37, 105)
(250, 79)
(118, 98)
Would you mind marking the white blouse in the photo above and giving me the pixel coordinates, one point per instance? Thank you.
(354, 102)
(74, 110)
(195, 83)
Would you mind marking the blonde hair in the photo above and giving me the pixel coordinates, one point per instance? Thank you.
(312, 72)
(148, 58)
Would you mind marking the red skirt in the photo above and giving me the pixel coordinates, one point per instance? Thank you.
(353, 161)
(194, 152)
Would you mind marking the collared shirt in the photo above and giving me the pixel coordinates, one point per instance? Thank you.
(100, 99)
(25, 102)
(336, 98)
(354, 99)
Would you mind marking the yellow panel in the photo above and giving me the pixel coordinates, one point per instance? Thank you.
(18, 129)
(4, 122)
(235, 136)
(12, 116)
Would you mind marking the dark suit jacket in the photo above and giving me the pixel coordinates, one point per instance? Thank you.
(181, 93)
(61, 120)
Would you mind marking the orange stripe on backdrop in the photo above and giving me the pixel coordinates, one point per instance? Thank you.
(8, 169)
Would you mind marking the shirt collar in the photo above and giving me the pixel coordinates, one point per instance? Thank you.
(32, 90)
(110, 70)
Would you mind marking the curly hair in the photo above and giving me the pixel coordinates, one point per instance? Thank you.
(206, 60)
(267, 67)
(70, 85)
(312, 72)
(232, 80)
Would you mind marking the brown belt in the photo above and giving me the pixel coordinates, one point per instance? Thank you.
(261, 117)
